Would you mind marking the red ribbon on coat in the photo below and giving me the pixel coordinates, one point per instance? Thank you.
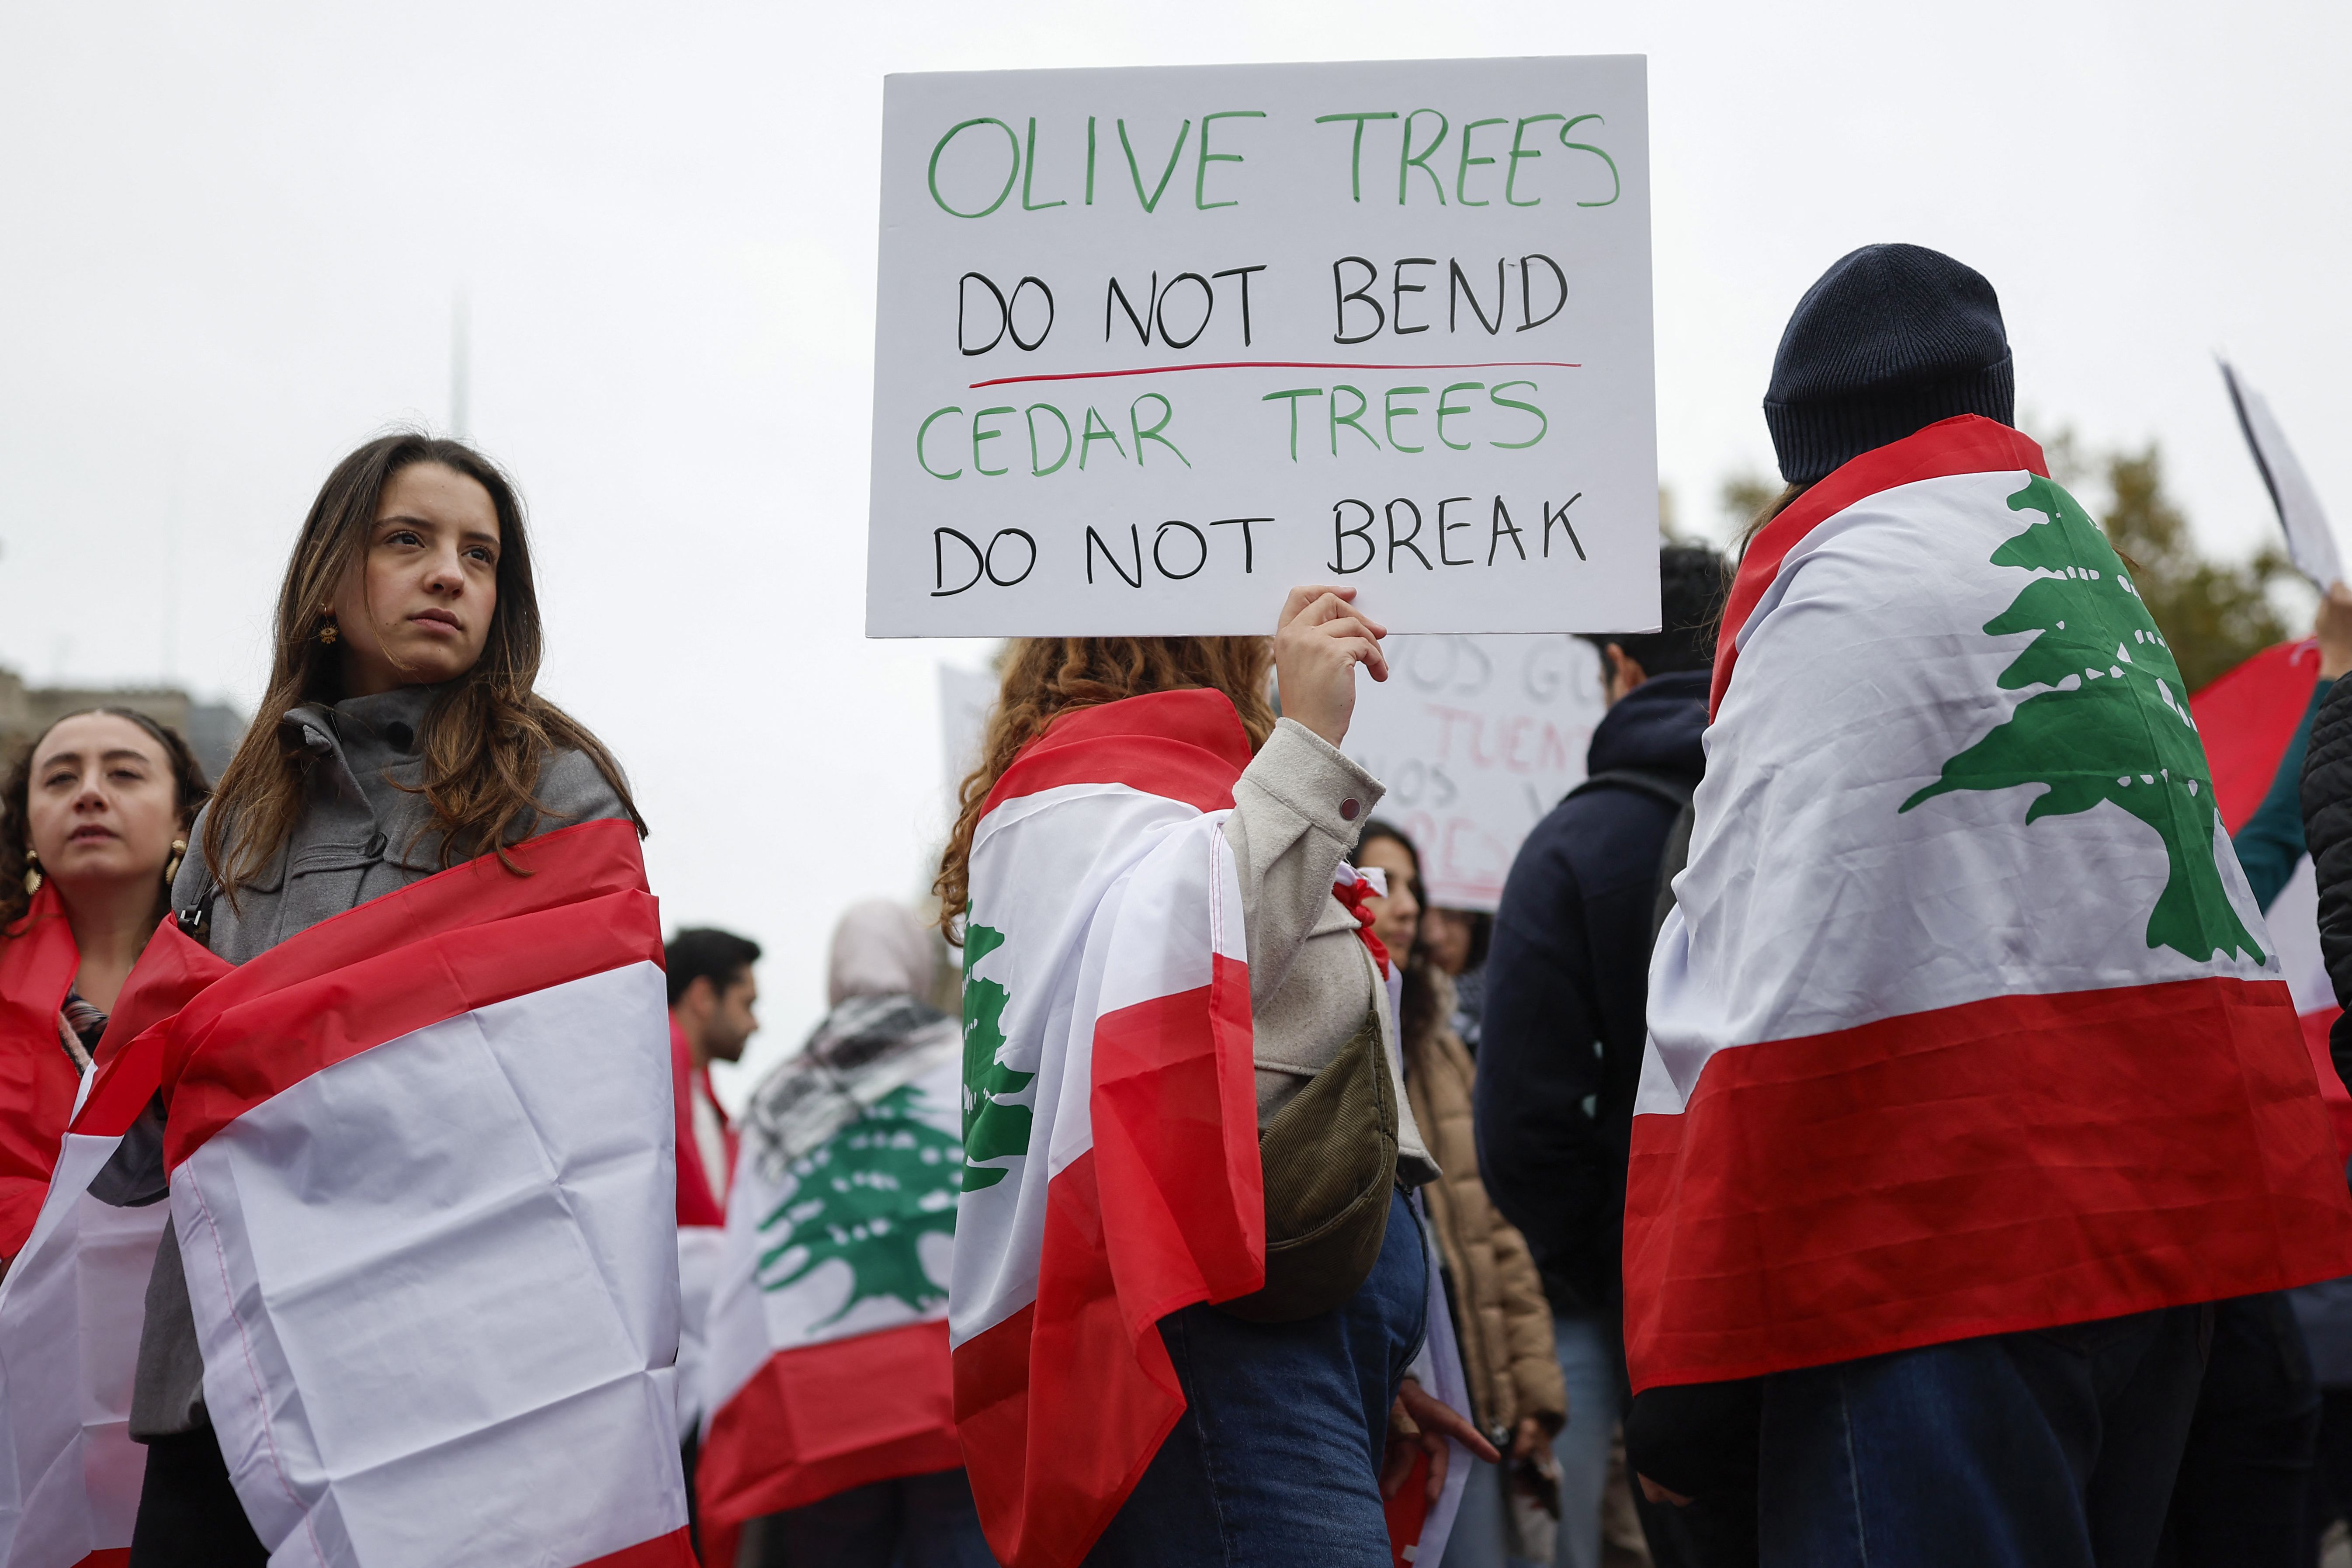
(1352, 895)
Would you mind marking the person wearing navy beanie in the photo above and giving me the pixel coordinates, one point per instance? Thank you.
(2000, 1410)
(1891, 340)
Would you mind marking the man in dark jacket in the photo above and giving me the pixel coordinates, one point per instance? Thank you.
(1567, 982)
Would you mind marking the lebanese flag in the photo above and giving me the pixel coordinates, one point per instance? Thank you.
(2248, 716)
(38, 1081)
(827, 1359)
(71, 1310)
(421, 1177)
(1965, 1021)
(702, 1239)
(1110, 1116)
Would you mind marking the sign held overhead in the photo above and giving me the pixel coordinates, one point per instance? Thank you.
(1154, 345)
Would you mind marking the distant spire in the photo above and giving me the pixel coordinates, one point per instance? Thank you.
(461, 369)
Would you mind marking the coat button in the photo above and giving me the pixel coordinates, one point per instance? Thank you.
(1347, 809)
(399, 736)
(375, 847)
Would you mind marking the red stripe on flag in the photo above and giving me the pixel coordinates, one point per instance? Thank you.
(109, 1557)
(170, 973)
(2316, 1028)
(675, 1550)
(465, 939)
(1185, 745)
(819, 1420)
(1965, 443)
(2013, 1164)
(1168, 1208)
(1183, 1197)
(37, 1080)
(1044, 1493)
(2246, 717)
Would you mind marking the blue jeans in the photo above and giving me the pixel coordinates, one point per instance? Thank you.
(1477, 1538)
(915, 1521)
(1588, 1360)
(1276, 1460)
(2050, 1450)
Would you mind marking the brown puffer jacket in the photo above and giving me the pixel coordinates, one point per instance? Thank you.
(1501, 1316)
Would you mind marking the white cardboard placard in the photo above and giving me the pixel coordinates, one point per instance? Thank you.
(1154, 345)
(967, 696)
(1476, 738)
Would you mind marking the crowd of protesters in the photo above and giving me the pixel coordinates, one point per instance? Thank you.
(1445, 1101)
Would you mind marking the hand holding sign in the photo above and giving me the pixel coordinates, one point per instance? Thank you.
(1315, 650)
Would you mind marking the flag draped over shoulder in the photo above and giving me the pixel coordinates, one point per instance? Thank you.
(421, 1176)
(71, 1310)
(827, 1353)
(38, 1079)
(1110, 1124)
(1965, 1021)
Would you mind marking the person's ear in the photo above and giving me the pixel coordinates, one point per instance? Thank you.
(1625, 671)
(699, 996)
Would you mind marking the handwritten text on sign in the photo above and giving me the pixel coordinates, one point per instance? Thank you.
(1154, 345)
(1477, 738)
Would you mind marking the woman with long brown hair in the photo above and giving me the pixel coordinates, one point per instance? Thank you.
(1138, 799)
(94, 819)
(401, 735)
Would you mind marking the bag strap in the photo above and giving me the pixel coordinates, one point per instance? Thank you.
(1675, 790)
(1672, 858)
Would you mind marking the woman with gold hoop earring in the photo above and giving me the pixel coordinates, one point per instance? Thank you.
(94, 819)
(403, 788)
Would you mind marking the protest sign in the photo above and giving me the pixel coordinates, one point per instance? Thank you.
(2310, 540)
(967, 696)
(1154, 345)
(1477, 738)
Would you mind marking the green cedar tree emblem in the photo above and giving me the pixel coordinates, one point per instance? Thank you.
(868, 1196)
(2114, 724)
(993, 1129)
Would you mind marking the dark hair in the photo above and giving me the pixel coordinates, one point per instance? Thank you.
(488, 732)
(1418, 1011)
(705, 952)
(1693, 584)
(1482, 934)
(15, 805)
(1045, 677)
(1380, 827)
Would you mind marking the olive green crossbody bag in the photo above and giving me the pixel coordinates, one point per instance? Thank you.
(1329, 1158)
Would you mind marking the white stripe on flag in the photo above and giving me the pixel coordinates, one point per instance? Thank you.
(1799, 929)
(70, 1312)
(1050, 863)
(435, 1287)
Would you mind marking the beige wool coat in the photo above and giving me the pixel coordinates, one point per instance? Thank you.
(1505, 1323)
(1297, 809)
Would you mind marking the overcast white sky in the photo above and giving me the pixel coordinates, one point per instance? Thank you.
(230, 238)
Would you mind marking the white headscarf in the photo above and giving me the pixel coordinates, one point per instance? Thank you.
(880, 949)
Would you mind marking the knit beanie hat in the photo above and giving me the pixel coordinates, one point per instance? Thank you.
(1892, 339)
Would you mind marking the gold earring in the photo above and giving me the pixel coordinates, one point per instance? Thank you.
(327, 635)
(32, 873)
(172, 866)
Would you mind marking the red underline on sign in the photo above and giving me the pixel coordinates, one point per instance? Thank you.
(1280, 364)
